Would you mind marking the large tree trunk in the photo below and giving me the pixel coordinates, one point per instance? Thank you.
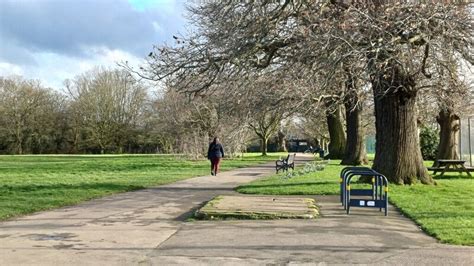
(324, 145)
(355, 153)
(281, 142)
(263, 145)
(337, 137)
(448, 135)
(397, 148)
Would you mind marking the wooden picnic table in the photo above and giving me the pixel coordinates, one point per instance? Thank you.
(442, 165)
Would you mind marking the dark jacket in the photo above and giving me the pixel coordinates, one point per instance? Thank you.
(215, 151)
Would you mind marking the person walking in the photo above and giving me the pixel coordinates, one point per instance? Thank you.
(215, 153)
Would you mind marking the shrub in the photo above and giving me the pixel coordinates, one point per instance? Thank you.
(429, 140)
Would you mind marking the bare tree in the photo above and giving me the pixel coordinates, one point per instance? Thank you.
(281, 139)
(398, 48)
(188, 122)
(449, 101)
(337, 136)
(394, 45)
(312, 126)
(355, 152)
(109, 103)
(28, 112)
(265, 124)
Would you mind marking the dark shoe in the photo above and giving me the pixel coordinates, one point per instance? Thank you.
(212, 173)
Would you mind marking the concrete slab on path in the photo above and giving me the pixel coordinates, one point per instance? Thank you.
(258, 207)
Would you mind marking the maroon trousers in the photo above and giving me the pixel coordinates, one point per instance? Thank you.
(215, 162)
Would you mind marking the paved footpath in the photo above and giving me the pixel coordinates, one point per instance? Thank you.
(148, 227)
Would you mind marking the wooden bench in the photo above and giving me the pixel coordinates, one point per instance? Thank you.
(285, 164)
(444, 166)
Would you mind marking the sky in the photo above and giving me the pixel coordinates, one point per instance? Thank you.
(54, 40)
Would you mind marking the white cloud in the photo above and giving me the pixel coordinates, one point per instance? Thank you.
(54, 68)
(7, 69)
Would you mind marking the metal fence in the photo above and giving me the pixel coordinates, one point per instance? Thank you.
(466, 140)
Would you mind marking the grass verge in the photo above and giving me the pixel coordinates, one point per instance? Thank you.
(445, 211)
(34, 183)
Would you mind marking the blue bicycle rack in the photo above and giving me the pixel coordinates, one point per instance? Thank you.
(351, 170)
(378, 192)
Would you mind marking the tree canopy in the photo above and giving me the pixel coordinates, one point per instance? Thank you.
(396, 48)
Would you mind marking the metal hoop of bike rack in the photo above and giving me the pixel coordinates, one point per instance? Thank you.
(378, 191)
(343, 177)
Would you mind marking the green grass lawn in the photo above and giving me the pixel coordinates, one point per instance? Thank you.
(33, 183)
(445, 211)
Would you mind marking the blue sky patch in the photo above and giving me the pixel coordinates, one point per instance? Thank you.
(142, 5)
